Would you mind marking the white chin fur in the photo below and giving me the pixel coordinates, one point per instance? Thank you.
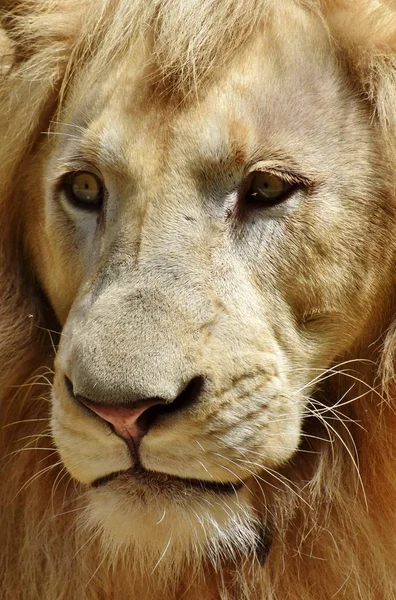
(173, 525)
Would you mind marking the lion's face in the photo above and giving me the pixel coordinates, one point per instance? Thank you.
(207, 261)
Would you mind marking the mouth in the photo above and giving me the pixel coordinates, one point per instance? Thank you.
(163, 481)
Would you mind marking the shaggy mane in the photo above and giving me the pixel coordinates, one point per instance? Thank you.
(325, 542)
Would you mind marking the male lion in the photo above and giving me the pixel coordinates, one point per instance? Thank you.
(198, 216)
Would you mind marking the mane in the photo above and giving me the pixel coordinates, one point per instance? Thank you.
(324, 512)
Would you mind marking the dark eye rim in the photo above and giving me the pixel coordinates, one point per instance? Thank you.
(66, 186)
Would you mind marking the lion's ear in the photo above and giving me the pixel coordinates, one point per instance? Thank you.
(365, 32)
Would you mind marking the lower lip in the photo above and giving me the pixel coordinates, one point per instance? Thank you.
(164, 479)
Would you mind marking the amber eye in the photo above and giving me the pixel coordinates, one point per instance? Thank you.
(84, 190)
(268, 189)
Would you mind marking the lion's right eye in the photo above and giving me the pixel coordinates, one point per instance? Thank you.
(84, 190)
(267, 189)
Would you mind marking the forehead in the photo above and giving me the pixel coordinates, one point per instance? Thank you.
(274, 95)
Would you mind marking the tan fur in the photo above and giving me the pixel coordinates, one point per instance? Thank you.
(174, 102)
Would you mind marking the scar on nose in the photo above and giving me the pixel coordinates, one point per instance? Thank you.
(208, 327)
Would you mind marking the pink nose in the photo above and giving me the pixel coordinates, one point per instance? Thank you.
(124, 420)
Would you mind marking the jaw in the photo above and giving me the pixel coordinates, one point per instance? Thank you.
(151, 513)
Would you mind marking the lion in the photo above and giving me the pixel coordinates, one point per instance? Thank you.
(197, 299)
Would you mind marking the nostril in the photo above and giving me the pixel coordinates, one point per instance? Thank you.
(125, 420)
(185, 399)
(132, 420)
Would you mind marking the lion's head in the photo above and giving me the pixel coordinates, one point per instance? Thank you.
(209, 222)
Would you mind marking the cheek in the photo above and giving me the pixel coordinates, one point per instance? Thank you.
(324, 285)
(60, 274)
(57, 262)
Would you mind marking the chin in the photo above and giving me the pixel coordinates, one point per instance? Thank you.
(171, 520)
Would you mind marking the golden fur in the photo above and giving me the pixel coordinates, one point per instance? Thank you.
(330, 505)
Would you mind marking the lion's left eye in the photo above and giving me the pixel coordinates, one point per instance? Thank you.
(268, 189)
(84, 190)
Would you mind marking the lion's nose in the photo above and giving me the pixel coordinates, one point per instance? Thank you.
(128, 422)
(131, 421)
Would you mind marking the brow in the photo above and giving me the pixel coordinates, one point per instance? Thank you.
(230, 167)
(229, 161)
(88, 148)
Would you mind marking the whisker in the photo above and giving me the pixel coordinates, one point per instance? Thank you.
(23, 421)
(34, 478)
(162, 555)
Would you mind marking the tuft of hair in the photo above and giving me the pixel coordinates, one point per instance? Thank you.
(366, 33)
